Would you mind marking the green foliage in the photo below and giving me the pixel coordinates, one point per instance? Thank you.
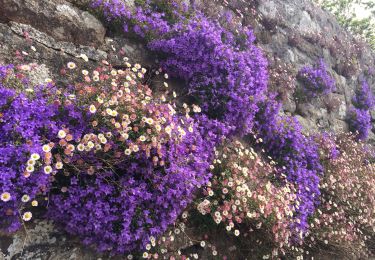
(347, 16)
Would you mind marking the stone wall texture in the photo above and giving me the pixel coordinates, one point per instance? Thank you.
(292, 33)
(295, 33)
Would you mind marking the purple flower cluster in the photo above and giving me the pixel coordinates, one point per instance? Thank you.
(316, 80)
(359, 117)
(24, 124)
(224, 70)
(227, 74)
(296, 155)
(364, 98)
(126, 202)
(4, 69)
(144, 20)
(123, 210)
(359, 121)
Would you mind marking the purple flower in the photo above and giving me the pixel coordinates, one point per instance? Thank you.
(25, 123)
(4, 69)
(359, 122)
(119, 211)
(227, 75)
(364, 98)
(316, 80)
(296, 155)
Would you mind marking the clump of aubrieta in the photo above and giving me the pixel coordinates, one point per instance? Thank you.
(316, 80)
(359, 117)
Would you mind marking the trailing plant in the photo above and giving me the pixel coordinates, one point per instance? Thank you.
(359, 121)
(359, 117)
(346, 215)
(316, 80)
(247, 195)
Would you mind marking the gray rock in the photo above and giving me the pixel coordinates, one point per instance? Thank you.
(268, 9)
(307, 25)
(39, 75)
(290, 56)
(42, 240)
(322, 123)
(66, 47)
(371, 138)
(41, 48)
(289, 105)
(342, 110)
(372, 112)
(338, 126)
(308, 126)
(57, 18)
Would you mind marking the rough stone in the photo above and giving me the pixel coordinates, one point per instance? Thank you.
(268, 9)
(66, 47)
(308, 25)
(43, 49)
(338, 126)
(307, 125)
(289, 105)
(373, 115)
(58, 18)
(371, 138)
(43, 241)
(342, 110)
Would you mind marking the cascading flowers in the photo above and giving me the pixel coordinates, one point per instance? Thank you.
(359, 117)
(316, 80)
(345, 218)
(134, 164)
(103, 147)
(27, 119)
(244, 196)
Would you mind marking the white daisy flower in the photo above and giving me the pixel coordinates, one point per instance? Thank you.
(30, 168)
(59, 165)
(92, 109)
(71, 65)
(25, 198)
(35, 156)
(47, 169)
(27, 216)
(5, 196)
(61, 134)
(46, 148)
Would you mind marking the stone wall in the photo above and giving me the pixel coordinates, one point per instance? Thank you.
(305, 34)
(292, 33)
